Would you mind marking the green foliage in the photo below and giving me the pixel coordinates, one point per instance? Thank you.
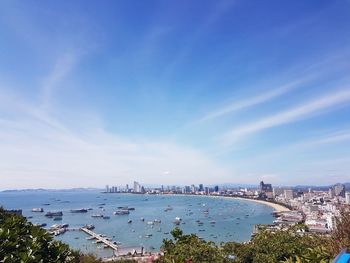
(294, 245)
(189, 248)
(21, 241)
(280, 246)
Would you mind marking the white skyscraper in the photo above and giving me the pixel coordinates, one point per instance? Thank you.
(347, 198)
(137, 187)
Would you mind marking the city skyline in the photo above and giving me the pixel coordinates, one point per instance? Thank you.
(175, 92)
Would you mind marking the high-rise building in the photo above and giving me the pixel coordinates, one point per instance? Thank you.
(265, 187)
(107, 188)
(331, 193)
(339, 190)
(216, 189)
(201, 189)
(277, 191)
(288, 194)
(347, 198)
(137, 187)
(266, 190)
(193, 188)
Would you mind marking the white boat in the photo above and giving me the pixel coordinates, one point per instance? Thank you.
(38, 210)
(121, 212)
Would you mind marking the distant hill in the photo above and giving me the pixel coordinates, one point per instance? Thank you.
(52, 190)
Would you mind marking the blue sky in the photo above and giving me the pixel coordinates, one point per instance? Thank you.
(174, 92)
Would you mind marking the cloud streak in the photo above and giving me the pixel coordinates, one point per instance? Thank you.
(255, 100)
(306, 110)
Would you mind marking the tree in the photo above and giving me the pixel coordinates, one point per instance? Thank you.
(190, 248)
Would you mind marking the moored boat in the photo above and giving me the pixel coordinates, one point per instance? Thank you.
(38, 210)
(54, 213)
(81, 210)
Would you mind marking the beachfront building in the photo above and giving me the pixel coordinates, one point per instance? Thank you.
(265, 190)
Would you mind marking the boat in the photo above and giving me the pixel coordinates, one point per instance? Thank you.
(129, 221)
(168, 208)
(142, 219)
(57, 218)
(89, 227)
(54, 226)
(46, 204)
(38, 210)
(121, 212)
(158, 221)
(126, 208)
(106, 217)
(97, 215)
(81, 210)
(212, 222)
(148, 235)
(52, 214)
(150, 223)
(177, 220)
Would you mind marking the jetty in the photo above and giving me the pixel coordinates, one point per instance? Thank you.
(100, 239)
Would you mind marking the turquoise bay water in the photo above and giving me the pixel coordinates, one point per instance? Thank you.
(234, 218)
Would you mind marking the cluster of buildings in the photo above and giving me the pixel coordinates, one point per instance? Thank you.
(139, 189)
(317, 209)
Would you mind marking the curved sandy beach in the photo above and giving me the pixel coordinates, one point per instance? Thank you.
(276, 207)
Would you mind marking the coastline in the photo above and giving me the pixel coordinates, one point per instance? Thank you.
(277, 207)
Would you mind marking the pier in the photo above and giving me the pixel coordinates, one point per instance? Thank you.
(101, 239)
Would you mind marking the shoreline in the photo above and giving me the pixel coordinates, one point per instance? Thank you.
(277, 207)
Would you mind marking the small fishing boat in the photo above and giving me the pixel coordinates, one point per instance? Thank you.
(97, 215)
(55, 213)
(40, 210)
(121, 212)
(81, 210)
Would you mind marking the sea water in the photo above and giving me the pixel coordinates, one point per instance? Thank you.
(224, 219)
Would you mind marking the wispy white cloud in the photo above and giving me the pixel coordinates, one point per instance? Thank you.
(300, 112)
(63, 66)
(266, 96)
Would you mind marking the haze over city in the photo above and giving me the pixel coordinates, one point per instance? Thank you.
(174, 92)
